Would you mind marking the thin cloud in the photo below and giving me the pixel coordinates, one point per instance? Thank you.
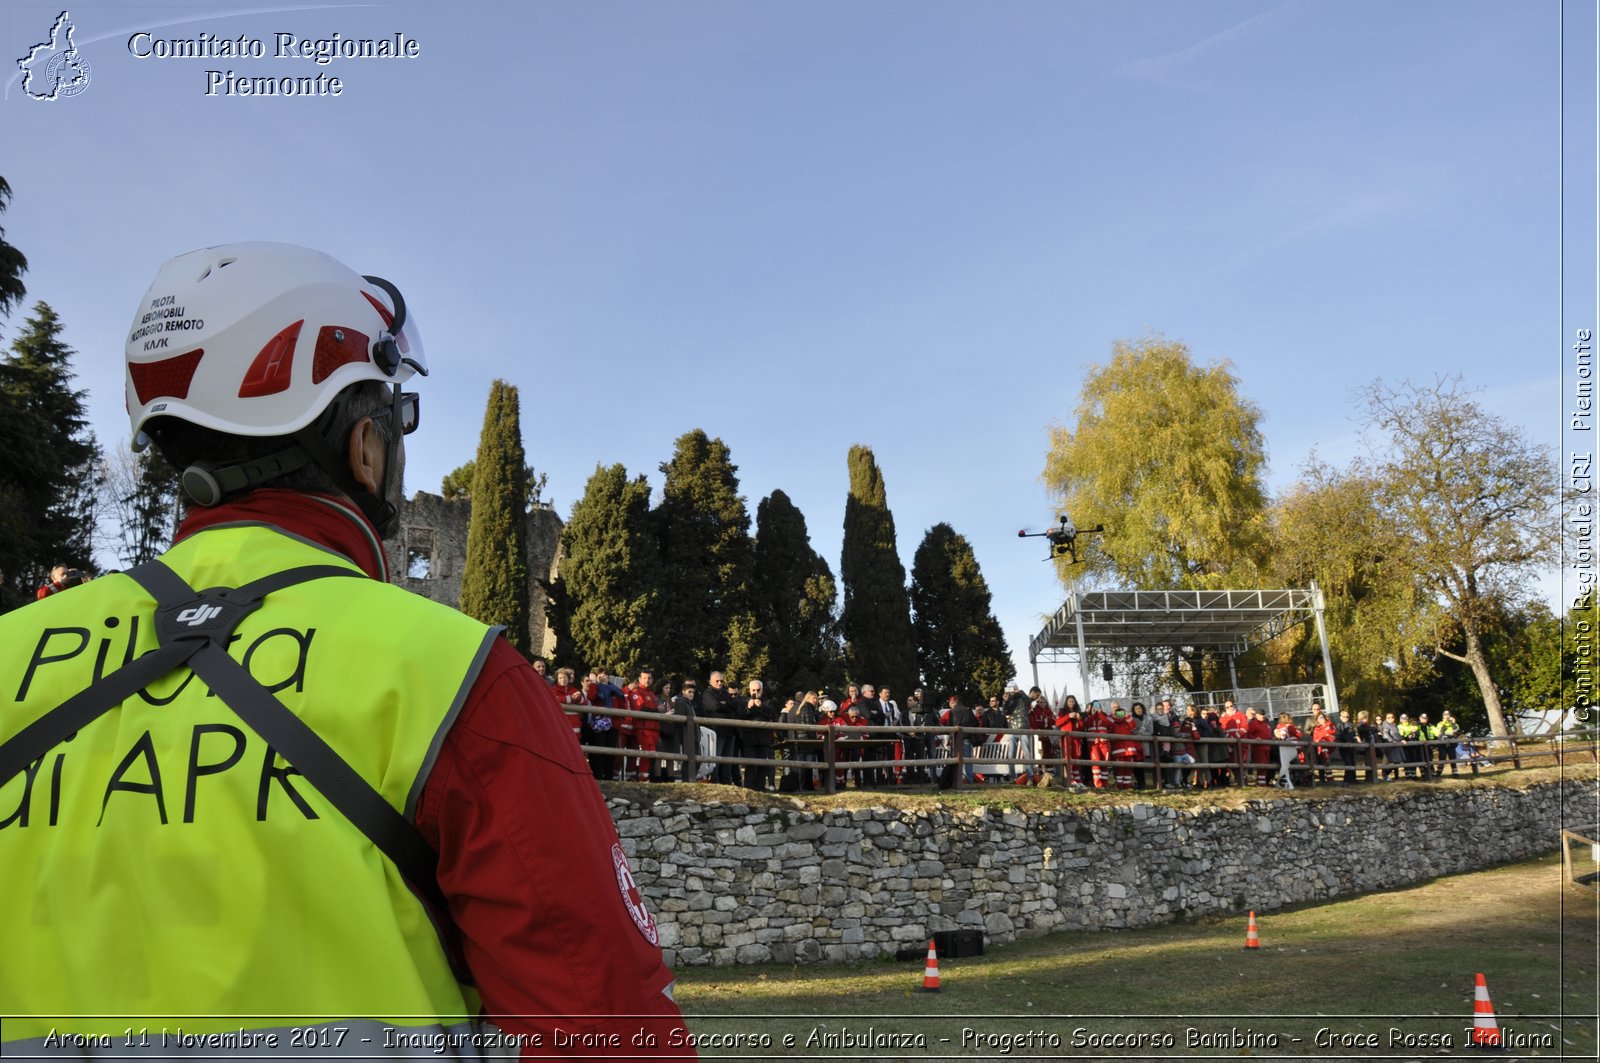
(1361, 211)
(1163, 67)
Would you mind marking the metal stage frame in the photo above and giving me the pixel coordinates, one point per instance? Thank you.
(1228, 622)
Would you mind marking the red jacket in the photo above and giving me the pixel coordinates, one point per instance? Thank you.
(641, 699)
(1040, 718)
(566, 695)
(1290, 733)
(1071, 722)
(1121, 747)
(542, 912)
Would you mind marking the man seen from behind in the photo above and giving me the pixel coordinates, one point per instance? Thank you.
(418, 854)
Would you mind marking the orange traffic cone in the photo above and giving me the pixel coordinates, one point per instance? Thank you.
(1485, 1031)
(1252, 940)
(930, 973)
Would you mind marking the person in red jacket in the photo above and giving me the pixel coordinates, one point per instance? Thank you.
(1286, 732)
(641, 733)
(62, 577)
(1040, 718)
(283, 407)
(1097, 722)
(1124, 750)
(1258, 733)
(1232, 724)
(568, 692)
(1324, 732)
(851, 749)
(1069, 720)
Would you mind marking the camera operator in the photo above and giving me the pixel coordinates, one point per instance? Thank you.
(758, 740)
(62, 577)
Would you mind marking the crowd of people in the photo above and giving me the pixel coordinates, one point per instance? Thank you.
(720, 734)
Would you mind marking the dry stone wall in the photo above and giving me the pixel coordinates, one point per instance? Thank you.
(743, 883)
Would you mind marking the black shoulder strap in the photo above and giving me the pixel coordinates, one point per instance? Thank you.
(86, 706)
(193, 627)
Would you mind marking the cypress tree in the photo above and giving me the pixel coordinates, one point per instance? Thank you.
(792, 596)
(606, 597)
(50, 478)
(959, 642)
(704, 533)
(876, 622)
(494, 584)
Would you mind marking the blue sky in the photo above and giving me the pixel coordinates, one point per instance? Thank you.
(906, 223)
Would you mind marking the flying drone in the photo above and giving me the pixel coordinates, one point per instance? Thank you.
(1063, 538)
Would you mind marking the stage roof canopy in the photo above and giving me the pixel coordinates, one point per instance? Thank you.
(1228, 622)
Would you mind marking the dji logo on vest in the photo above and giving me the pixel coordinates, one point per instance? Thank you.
(199, 615)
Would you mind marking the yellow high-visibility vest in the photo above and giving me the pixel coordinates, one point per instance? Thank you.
(165, 863)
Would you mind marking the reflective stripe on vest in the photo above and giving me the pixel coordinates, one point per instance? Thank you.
(164, 861)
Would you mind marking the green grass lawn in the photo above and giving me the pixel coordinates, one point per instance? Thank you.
(1387, 975)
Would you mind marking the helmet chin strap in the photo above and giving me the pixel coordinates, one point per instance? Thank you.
(208, 484)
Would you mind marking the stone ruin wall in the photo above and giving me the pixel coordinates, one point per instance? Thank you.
(434, 528)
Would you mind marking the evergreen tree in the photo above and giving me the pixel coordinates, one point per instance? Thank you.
(704, 534)
(959, 642)
(793, 597)
(14, 441)
(457, 483)
(12, 263)
(876, 621)
(605, 600)
(494, 584)
(140, 494)
(50, 479)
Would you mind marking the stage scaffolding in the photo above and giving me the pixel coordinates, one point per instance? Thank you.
(1224, 622)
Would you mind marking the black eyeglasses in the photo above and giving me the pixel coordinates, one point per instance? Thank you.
(408, 411)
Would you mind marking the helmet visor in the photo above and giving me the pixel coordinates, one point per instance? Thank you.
(408, 340)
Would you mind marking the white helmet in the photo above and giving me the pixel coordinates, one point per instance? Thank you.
(256, 339)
